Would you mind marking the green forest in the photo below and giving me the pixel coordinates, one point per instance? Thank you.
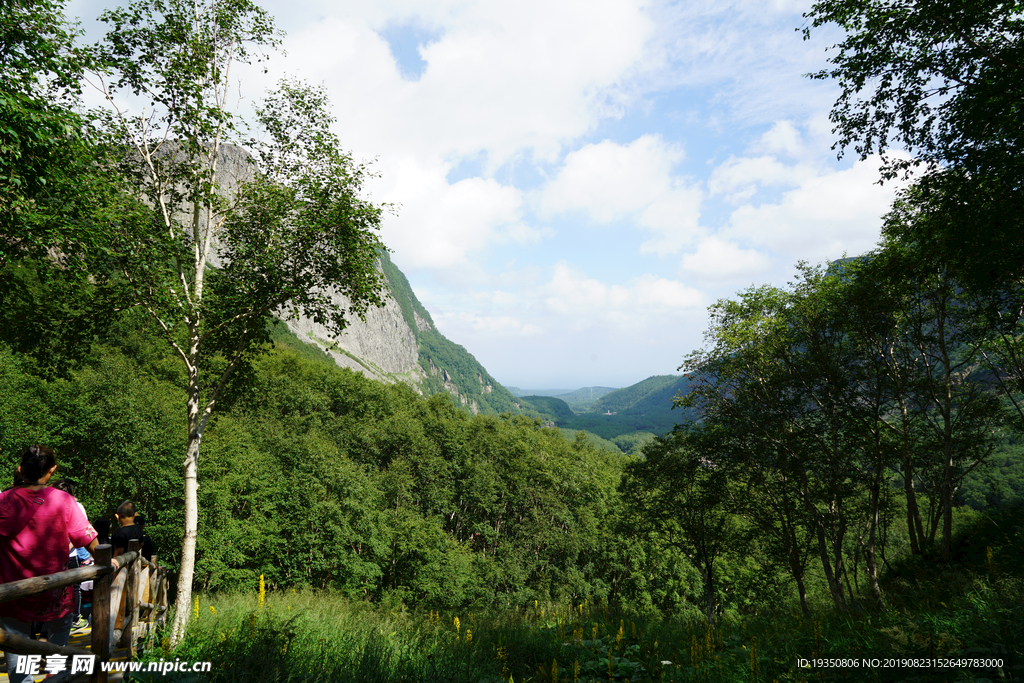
(628, 417)
(838, 495)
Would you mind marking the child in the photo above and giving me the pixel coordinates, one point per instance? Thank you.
(129, 531)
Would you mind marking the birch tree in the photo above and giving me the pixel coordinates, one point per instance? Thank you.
(287, 240)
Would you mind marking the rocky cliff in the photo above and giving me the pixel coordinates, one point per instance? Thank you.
(382, 347)
(395, 343)
(399, 343)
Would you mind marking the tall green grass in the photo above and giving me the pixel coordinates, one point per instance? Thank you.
(307, 636)
(970, 609)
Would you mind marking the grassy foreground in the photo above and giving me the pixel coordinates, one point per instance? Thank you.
(307, 636)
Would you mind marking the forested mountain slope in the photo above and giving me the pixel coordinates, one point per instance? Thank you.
(628, 417)
(652, 395)
(403, 496)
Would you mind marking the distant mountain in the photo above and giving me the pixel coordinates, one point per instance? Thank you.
(579, 400)
(516, 391)
(551, 407)
(652, 395)
(628, 417)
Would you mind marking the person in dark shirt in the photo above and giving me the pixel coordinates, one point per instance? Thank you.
(129, 529)
(147, 545)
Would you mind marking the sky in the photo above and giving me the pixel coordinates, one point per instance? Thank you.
(575, 182)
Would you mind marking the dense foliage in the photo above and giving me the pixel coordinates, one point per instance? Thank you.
(316, 476)
(944, 81)
(842, 420)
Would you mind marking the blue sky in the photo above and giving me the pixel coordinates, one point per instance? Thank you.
(577, 181)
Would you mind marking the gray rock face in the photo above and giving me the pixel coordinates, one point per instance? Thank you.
(382, 346)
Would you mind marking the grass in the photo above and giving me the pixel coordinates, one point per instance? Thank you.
(971, 610)
(308, 636)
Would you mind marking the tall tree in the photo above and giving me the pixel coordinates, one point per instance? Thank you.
(785, 380)
(52, 200)
(294, 237)
(680, 492)
(938, 326)
(944, 80)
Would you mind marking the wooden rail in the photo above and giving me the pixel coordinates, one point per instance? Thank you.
(128, 604)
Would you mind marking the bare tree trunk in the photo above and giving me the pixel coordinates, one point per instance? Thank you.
(870, 550)
(914, 526)
(709, 593)
(801, 589)
(834, 582)
(946, 409)
(183, 603)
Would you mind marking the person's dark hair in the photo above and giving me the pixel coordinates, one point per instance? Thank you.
(126, 509)
(35, 462)
(64, 485)
(140, 520)
(102, 526)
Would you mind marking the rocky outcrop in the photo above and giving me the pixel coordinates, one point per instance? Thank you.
(397, 342)
(382, 346)
(379, 347)
(422, 324)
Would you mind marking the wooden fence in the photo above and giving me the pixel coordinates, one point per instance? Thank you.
(128, 604)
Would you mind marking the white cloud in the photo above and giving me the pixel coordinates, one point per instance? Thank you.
(608, 182)
(506, 78)
(660, 293)
(782, 137)
(718, 260)
(826, 216)
(587, 302)
(485, 325)
(748, 52)
(439, 225)
(739, 177)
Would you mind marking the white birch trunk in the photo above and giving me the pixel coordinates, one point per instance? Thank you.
(183, 603)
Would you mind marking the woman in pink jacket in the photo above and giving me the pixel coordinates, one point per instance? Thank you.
(36, 522)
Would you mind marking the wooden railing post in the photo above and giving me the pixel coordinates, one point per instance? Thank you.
(154, 597)
(131, 601)
(101, 613)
